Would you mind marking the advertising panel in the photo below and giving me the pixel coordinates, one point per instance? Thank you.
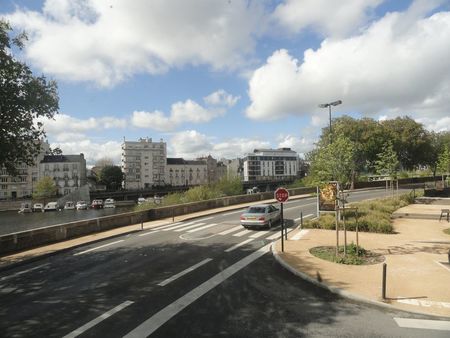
(327, 197)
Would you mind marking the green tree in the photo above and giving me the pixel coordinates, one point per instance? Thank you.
(443, 163)
(45, 188)
(23, 99)
(334, 162)
(229, 186)
(111, 176)
(387, 162)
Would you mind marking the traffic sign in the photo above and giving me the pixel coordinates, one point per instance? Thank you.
(281, 195)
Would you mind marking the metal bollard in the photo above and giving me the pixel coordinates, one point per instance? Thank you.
(448, 256)
(384, 281)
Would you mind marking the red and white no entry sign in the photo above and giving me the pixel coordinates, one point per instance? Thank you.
(281, 195)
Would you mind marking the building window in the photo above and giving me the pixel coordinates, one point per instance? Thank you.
(4, 187)
(66, 167)
(4, 179)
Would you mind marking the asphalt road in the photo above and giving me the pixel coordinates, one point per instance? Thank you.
(207, 277)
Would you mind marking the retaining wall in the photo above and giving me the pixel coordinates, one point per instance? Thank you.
(56, 233)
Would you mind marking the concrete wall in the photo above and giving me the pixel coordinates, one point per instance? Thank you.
(36, 237)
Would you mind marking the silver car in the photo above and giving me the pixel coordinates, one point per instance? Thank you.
(262, 215)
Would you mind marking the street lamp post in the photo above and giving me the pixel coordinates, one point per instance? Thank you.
(328, 105)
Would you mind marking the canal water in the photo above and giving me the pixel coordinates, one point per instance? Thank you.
(12, 221)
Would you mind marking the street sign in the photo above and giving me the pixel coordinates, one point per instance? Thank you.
(281, 195)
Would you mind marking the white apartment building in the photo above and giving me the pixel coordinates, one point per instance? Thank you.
(22, 185)
(270, 164)
(180, 172)
(143, 163)
(68, 171)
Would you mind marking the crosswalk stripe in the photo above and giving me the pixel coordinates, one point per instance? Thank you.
(229, 231)
(190, 227)
(178, 226)
(299, 235)
(184, 272)
(203, 227)
(259, 234)
(160, 227)
(274, 236)
(234, 247)
(242, 233)
(423, 324)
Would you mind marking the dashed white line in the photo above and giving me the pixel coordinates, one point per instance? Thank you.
(97, 320)
(190, 227)
(203, 227)
(423, 324)
(157, 320)
(184, 272)
(229, 231)
(234, 247)
(22, 272)
(242, 233)
(97, 247)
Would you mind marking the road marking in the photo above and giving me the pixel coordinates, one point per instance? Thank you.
(229, 231)
(299, 235)
(148, 233)
(423, 324)
(158, 319)
(242, 233)
(204, 219)
(234, 212)
(22, 272)
(166, 226)
(184, 272)
(203, 227)
(190, 227)
(444, 265)
(274, 236)
(97, 247)
(234, 247)
(298, 219)
(97, 320)
(179, 226)
(298, 206)
(259, 234)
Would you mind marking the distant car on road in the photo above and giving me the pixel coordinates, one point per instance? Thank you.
(262, 215)
(51, 206)
(81, 205)
(109, 203)
(141, 200)
(38, 207)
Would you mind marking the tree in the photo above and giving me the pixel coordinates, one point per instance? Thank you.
(111, 176)
(24, 99)
(45, 188)
(443, 164)
(104, 161)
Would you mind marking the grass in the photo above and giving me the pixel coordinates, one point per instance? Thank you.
(373, 216)
(354, 256)
(447, 231)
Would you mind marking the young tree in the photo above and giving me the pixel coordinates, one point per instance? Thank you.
(387, 162)
(23, 99)
(45, 188)
(443, 163)
(111, 176)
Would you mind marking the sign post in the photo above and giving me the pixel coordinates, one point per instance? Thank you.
(282, 195)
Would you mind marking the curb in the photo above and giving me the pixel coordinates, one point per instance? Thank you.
(341, 292)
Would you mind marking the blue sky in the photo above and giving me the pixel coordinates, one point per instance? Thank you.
(223, 77)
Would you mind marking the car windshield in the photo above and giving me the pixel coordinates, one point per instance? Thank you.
(256, 210)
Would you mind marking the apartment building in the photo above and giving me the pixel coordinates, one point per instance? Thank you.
(143, 163)
(215, 170)
(22, 185)
(68, 171)
(181, 172)
(270, 164)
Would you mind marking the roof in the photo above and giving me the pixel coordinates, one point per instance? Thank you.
(181, 161)
(62, 158)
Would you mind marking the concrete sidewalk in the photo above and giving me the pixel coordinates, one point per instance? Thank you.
(418, 271)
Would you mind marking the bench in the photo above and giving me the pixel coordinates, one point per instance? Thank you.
(445, 212)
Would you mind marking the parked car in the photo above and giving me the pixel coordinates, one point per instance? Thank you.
(69, 205)
(51, 206)
(97, 204)
(262, 215)
(38, 207)
(141, 200)
(81, 205)
(109, 203)
(25, 207)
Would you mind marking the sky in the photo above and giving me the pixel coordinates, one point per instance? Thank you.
(223, 77)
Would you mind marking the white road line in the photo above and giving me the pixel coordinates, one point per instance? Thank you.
(203, 227)
(234, 247)
(234, 212)
(97, 320)
(423, 324)
(298, 206)
(22, 272)
(299, 235)
(182, 273)
(97, 247)
(157, 320)
(425, 303)
(167, 225)
(178, 226)
(229, 231)
(148, 233)
(276, 235)
(204, 219)
(259, 234)
(242, 233)
(190, 227)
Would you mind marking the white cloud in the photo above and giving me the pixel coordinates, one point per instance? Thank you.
(221, 98)
(301, 145)
(438, 125)
(185, 112)
(329, 18)
(108, 41)
(390, 66)
(92, 151)
(63, 123)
